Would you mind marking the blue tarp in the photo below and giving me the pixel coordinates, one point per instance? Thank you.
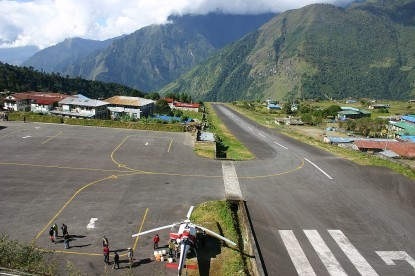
(274, 106)
(168, 118)
(408, 118)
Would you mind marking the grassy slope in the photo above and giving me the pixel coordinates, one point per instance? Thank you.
(217, 216)
(236, 150)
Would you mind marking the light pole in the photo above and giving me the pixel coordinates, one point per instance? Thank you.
(387, 135)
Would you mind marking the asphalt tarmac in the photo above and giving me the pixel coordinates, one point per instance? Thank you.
(314, 213)
(99, 181)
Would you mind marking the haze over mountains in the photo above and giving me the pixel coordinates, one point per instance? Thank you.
(18, 55)
(319, 51)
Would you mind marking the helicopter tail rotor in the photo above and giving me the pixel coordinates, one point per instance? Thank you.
(215, 235)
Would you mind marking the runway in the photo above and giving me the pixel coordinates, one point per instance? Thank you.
(322, 214)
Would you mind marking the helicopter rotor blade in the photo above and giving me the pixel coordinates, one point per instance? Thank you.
(190, 212)
(216, 235)
(153, 230)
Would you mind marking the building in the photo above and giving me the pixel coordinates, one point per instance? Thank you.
(290, 121)
(186, 106)
(352, 113)
(135, 107)
(409, 119)
(274, 106)
(79, 106)
(406, 150)
(379, 106)
(351, 101)
(37, 102)
(402, 130)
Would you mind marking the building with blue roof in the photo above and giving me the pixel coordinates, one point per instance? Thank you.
(408, 119)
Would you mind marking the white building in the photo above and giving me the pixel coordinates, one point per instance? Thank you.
(37, 102)
(79, 106)
(135, 107)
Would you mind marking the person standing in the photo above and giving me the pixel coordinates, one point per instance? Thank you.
(55, 229)
(64, 229)
(116, 261)
(176, 248)
(51, 235)
(105, 242)
(106, 251)
(171, 247)
(156, 241)
(130, 255)
(66, 240)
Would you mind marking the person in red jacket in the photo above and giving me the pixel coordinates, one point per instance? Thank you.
(106, 255)
(156, 240)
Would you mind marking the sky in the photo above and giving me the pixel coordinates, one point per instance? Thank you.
(44, 23)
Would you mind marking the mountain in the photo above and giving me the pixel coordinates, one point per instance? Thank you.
(17, 55)
(58, 57)
(319, 51)
(156, 55)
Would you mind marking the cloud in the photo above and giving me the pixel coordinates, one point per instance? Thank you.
(46, 22)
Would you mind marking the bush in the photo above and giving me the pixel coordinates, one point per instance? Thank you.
(25, 257)
(156, 126)
(127, 125)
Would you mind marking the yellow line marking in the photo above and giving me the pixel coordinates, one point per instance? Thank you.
(61, 167)
(59, 133)
(171, 142)
(68, 252)
(66, 204)
(11, 133)
(139, 230)
(113, 152)
(134, 171)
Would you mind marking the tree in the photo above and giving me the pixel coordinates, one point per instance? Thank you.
(287, 108)
(153, 96)
(162, 107)
(170, 95)
(331, 111)
(177, 113)
(307, 118)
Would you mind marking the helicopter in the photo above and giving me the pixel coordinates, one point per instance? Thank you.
(186, 237)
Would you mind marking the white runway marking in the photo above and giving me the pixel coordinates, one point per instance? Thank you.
(318, 168)
(230, 179)
(299, 259)
(26, 137)
(352, 253)
(389, 256)
(250, 129)
(146, 143)
(326, 256)
(280, 145)
(91, 224)
(260, 134)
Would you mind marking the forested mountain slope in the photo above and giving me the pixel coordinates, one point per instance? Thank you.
(23, 79)
(319, 51)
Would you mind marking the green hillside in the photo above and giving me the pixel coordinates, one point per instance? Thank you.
(319, 51)
(22, 79)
